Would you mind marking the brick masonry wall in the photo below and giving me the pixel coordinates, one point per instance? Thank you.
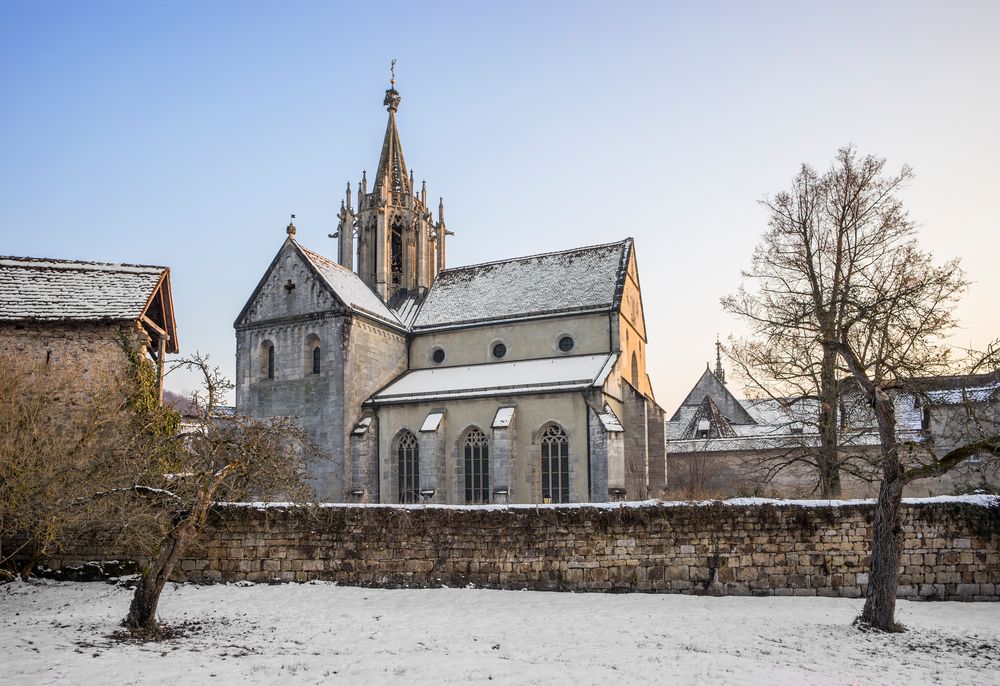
(951, 550)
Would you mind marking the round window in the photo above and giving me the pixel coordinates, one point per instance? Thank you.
(566, 344)
(499, 350)
(438, 355)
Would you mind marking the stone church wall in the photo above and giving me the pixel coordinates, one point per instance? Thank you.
(951, 549)
(312, 399)
(538, 338)
(532, 414)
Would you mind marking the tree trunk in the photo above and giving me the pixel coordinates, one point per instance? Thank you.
(887, 535)
(887, 545)
(142, 611)
(829, 459)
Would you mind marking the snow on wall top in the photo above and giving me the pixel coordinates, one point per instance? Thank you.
(349, 287)
(67, 290)
(497, 378)
(609, 420)
(573, 280)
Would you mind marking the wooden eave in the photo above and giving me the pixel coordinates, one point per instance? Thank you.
(167, 327)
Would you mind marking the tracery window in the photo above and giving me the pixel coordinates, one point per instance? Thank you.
(555, 465)
(396, 254)
(408, 455)
(477, 467)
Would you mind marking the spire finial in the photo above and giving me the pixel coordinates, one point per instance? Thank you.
(720, 373)
(290, 230)
(391, 100)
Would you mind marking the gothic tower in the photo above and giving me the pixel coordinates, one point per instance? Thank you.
(400, 248)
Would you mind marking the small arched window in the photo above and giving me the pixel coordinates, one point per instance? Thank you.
(265, 363)
(555, 465)
(408, 456)
(477, 467)
(635, 369)
(312, 355)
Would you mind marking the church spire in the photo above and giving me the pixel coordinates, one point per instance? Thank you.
(720, 373)
(391, 165)
(399, 248)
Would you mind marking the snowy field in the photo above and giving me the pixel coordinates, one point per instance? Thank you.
(323, 633)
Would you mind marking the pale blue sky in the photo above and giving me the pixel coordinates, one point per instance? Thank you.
(184, 133)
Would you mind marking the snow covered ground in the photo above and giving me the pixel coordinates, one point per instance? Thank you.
(319, 632)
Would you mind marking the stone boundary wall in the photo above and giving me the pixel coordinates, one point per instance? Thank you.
(951, 549)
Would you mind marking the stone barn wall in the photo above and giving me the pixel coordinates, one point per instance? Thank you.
(951, 548)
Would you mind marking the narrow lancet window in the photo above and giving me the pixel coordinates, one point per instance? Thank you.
(408, 456)
(477, 467)
(555, 465)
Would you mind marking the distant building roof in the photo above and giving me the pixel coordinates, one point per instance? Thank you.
(710, 385)
(50, 290)
(580, 280)
(559, 374)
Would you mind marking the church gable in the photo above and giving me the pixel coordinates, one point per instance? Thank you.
(290, 287)
(630, 305)
(710, 386)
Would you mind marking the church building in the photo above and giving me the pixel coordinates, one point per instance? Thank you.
(516, 381)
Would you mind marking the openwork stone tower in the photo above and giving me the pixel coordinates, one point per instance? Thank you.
(400, 247)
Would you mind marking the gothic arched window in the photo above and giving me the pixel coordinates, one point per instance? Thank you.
(316, 360)
(477, 467)
(555, 465)
(635, 370)
(408, 456)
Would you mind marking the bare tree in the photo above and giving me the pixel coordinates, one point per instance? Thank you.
(101, 459)
(839, 287)
(825, 235)
(219, 456)
(62, 436)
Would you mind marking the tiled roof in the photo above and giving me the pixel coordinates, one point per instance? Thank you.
(583, 279)
(349, 287)
(558, 374)
(64, 290)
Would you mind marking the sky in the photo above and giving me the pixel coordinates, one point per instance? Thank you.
(185, 133)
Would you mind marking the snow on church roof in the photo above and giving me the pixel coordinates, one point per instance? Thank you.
(349, 287)
(66, 290)
(583, 279)
(557, 374)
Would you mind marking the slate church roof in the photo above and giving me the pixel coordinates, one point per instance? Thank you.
(50, 290)
(548, 375)
(348, 286)
(580, 280)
